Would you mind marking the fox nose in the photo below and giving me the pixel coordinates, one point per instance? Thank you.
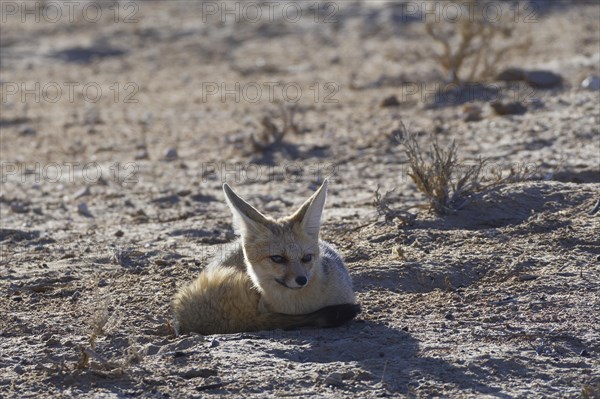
(301, 280)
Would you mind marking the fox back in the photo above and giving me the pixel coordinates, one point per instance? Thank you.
(277, 269)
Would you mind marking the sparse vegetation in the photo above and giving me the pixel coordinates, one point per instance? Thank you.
(448, 183)
(438, 174)
(271, 134)
(102, 322)
(382, 204)
(474, 42)
(590, 391)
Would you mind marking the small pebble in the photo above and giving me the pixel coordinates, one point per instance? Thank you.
(203, 373)
(591, 83)
(391, 101)
(527, 277)
(515, 108)
(170, 154)
(19, 207)
(539, 79)
(334, 379)
(27, 131)
(471, 113)
(511, 75)
(141, 154)
(82, 192)
(83, 210)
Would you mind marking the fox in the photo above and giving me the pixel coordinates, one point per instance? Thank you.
(277, 275)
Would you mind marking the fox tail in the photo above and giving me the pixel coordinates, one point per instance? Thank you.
(329, 316)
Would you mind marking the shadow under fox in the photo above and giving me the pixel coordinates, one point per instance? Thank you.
(279, 275)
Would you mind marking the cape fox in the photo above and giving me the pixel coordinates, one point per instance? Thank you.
(279, 275)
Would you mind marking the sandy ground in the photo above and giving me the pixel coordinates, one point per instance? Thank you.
(110, 200)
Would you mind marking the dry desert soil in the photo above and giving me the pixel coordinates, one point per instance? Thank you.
(120, 121)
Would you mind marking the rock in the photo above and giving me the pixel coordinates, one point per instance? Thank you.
(27, 131)
(119, 233)
(527, 277)
(591, 83)
(334, 379)
(515, 108)
(539, 79)
(141, 154)
(83, 210)
(170, 154)
(82, 192)
(471, 113)
(195, 373)
(542, 79)
(391, 101)
(19, 207)
(511, 75)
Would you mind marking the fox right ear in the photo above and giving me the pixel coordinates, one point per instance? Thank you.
(245, 217)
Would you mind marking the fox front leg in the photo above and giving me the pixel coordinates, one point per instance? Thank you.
(262, 306)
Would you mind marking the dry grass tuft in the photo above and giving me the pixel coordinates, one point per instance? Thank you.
(437, 173)
(271, 134)
(101, 323)
(590, 391)
(382, 204)
(448, 184)
(475, 42)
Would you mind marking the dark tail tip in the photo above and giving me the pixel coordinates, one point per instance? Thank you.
(336, 315)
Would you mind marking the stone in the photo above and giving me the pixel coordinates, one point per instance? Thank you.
(514, 108)
(334, 379)
(391, 101)
(170, 154)
(591, 83)
(542, 79)
(511, 75)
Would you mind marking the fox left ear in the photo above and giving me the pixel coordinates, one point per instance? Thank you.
(309, 214)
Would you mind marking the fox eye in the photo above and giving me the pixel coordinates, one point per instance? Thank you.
(307, 258)
(278, 259)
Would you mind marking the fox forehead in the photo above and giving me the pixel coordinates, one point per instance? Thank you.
(282, 239)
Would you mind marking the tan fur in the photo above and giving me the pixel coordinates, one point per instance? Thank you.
(259, 293)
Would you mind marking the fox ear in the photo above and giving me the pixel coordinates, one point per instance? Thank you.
(309, 214)
(245, 217)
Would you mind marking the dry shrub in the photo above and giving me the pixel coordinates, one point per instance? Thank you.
(475, 43)
(438, 174)
(448, 184)
(590, 391)
(382, 204)
(271, 134)
(101, 323)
